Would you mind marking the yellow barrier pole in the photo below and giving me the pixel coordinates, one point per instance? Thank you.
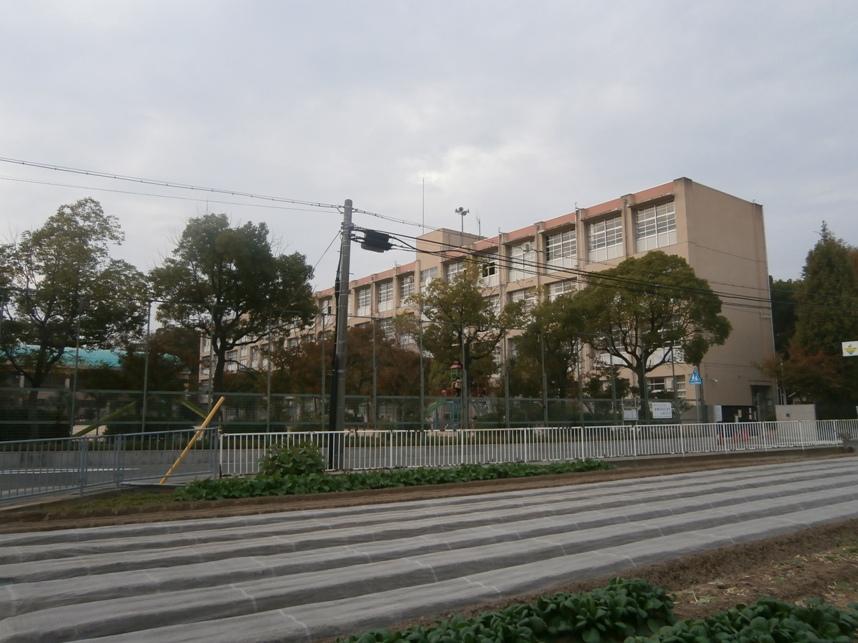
(193, 439)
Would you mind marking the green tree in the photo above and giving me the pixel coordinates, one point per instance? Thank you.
(826, 312)
(227, 283)
(637, 311)
(827, 300)
(783, 294)
(464, 323)
(173, 364)
(551, 337)
(62, 287)
(299, 369)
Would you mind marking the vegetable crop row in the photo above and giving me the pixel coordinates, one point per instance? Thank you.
(632, 611)
(290, 484)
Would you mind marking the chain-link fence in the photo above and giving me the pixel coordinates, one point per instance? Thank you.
(49, 413)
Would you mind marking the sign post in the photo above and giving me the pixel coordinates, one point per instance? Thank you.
(698, 381)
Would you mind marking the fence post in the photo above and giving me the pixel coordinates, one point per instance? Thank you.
(461, 446)
(220, 453)
(390, 435)
(635, 440)
(82, 448)
(681, 439)
(117, 460)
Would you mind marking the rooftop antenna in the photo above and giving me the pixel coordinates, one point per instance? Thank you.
(479, 225)
(423, 205)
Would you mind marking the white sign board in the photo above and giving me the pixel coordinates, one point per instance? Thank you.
(630, 414)
(661, 410)
(850, 349)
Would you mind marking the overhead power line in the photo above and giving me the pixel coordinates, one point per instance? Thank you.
(535, 267)
(182, 186)
(168, 184)
(159, 196)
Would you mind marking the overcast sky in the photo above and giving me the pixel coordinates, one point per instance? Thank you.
(515, 110)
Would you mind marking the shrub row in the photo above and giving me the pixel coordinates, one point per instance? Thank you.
(635, 612)
(291, 484)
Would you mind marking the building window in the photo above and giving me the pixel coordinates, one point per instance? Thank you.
(385, 327)
(522, 258)
(427, 276)
(406, 286)
(364, 301)
(494, 302)
(560, 288)
(454, 269)
(488, 273)
(561, 249)
(326, 306)
(655, 227)
(656, 385)
(605, 239)
(384, 290)
(527, 295)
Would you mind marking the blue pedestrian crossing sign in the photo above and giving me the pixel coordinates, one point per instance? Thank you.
(695, 378)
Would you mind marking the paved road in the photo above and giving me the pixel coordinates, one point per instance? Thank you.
(312, 574)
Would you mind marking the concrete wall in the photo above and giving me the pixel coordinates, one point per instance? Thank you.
(726, 246)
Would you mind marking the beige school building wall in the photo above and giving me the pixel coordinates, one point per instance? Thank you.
(721, 236)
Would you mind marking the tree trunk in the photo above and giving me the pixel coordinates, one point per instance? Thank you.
(644, 393)
(220, 357)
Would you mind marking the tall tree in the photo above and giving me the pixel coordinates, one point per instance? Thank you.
(299, 369)
(62, 288)
(826, 314)
(462, 323)
(637, 311)
(827, 308)
(551, 340)
(227, 283)
(783, 294)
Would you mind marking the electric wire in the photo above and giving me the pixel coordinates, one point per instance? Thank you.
(159, 196)
(319, 260)
(168, 184)
(761, 304)
(536, 267)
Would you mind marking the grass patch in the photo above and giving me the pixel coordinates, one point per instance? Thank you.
(112, 503)
(291, 484)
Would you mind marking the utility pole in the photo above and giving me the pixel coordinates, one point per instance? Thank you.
(422, 373)
(463, 422)
(338, 410)
(147, 350)
(374, 415)
(268, 383)
(81, 304)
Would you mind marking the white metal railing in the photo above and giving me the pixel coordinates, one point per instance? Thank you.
(39, 467)
(361, 450)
